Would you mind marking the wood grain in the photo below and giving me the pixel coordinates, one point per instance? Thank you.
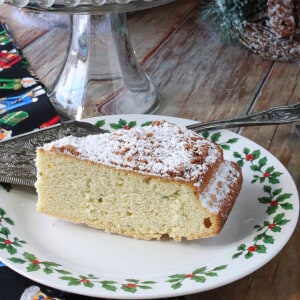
(203, 78)
(156, 25)
(200, 77)
(22, 25)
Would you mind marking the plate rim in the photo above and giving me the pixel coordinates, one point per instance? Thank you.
(184, 289)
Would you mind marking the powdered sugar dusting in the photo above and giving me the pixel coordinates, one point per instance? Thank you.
(163, 149)
(219, 187)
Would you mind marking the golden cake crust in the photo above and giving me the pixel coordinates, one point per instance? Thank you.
(197, 189)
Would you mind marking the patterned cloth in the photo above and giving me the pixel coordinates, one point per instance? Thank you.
(14, 287)
(24, 104)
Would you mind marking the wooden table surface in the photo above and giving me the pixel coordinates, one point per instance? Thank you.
(201, 78)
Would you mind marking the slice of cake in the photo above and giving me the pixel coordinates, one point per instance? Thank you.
(148, 182)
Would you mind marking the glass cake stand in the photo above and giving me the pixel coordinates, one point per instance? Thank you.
(101, 74)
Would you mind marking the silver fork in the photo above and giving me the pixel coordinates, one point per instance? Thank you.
(271, 116)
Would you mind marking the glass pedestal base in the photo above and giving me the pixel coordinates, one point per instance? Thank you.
(101, 74)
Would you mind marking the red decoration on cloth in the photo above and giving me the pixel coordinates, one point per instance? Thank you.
(24, 103)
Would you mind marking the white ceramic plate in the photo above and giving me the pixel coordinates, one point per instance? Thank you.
(82, 260)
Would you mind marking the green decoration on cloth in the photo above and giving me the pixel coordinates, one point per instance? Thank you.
(13, 119)
(24, 103)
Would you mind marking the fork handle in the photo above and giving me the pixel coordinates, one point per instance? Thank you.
(271, 116)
